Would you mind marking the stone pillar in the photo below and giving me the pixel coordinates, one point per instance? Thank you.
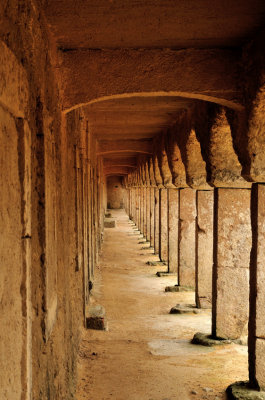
(156, 225)
(204, 248)
(163, 231)
(148, 211)
(173, 229)
(232, 245)
(256, 334)
(132, 204)
(144, 211)
(187, 215)
(152, 216)
(138, 207)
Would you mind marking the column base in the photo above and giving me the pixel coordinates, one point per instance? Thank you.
(185, 309)
(242, 391)
(177, 288)
(161, 274)
(95, 318)
(208, 340)
(155, 263)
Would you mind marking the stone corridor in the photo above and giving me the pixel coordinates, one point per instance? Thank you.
(156, 109)
(146, 352)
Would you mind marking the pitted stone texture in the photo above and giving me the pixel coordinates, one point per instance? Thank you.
(204, 256)
(256, 129)
(231, 262)
(157, 172)
(225, 167)
(260, 268)
(163, 164)
(163, 237)
(257, 296)
(187, 215)
(173, 229)
(260, 362)
(175, 160)
(195, 165)
(199, 73)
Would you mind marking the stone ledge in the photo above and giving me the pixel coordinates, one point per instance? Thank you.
(242, 391)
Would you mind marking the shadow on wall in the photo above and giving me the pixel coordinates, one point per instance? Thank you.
(115, 192)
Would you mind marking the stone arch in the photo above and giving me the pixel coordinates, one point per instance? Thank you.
(228, 103)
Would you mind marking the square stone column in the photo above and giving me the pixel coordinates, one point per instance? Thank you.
(133, 204)
(173, 229)
(163, 219)
(187, 215)
(256, 334)
(141, 209)
(204, 248)
(157, 227)
(148, 210)
(232, 246)
(138, 207)
(130, 203)
(152, 216)
(144, 212)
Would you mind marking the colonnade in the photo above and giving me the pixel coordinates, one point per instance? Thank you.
(207, 223)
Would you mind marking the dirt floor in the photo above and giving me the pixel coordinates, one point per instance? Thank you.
(146, 353)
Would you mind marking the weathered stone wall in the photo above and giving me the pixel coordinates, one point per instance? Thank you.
(49, 198)
(115, 192)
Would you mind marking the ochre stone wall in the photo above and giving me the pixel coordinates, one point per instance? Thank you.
(50, 188)
(115, 192)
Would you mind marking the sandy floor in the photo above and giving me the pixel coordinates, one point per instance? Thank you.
(146, 354)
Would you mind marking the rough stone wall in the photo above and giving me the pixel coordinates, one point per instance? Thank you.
(115, 192)
(49, 213)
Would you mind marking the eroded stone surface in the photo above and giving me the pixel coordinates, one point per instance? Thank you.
(163, 220)
(231, 262)
(184, 309)
(242, 391)
(173, 229)
(207, 340)
(187, 214)
(204, 250)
